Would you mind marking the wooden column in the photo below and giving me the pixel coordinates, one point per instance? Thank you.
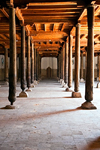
(70, 64)
(77, 94)
(98, 71)
(6, 65)
(81, 68)
(32, 65)
(12, 71)
(66, 75)
(28, 65)
(61, 64)
(22, 63)
(85, 61)
(65, 64)
(37, 65)
(90, 61)
(58, 67)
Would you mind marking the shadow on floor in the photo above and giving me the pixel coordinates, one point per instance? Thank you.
(39, 115)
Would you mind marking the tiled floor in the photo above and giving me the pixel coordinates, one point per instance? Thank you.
(49, 120)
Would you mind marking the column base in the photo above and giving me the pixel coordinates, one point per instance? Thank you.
(68, 90)
(35, 82)
(76, 95)
(32, 85)
(98, 85)
(88, 105)
(29, 90)
(61, 81)
(82, 80)
(9, 107)
(23, 94)
(65, 86)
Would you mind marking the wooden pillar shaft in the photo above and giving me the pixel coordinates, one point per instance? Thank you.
(70, 62)
(23, 72)
(28, 63)
(12, 72)
(81, 73)
(77, 58)
(90, 55)
(32, 64)
(66, 62)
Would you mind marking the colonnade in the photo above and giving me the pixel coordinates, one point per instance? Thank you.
(64, 62)
(89, 62)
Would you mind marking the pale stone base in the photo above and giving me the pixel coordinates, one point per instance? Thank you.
(29, 90)
(32, 85)
(65, 86)
(76, 95)
(35, 82)
(9, 107)
(88, 105)
(68, 90)
(61, 81)
(23, 94)
(82, 80)
(98, 85)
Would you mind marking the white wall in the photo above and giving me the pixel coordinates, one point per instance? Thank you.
(49, 62)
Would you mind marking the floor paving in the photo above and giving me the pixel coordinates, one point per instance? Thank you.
(50, 119)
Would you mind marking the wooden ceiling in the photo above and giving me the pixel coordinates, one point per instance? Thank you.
(49, 24)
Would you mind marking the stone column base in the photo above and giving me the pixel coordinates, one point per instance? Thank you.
(35, 82)
(76, 95)
(9, 107)
(61, 81)
(98, 85)
(68, 89)
(23, 94)
(65, 86)
(88, 105)
(28, 90)
(32, 85)
(82, 80)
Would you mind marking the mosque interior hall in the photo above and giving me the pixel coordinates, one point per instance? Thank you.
(49, 75)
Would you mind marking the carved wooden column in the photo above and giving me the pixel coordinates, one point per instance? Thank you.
(23, 71)
(76, 92)
(32, 65)
(90, 61)
(35, 82)
(59, 65)
(28, 65)
(63, 66)
(37, 61)
(66, 63)
(98, 71)
(85, 61)
(6, 65)
(81, 68)
(70, 64)
(12, 71)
